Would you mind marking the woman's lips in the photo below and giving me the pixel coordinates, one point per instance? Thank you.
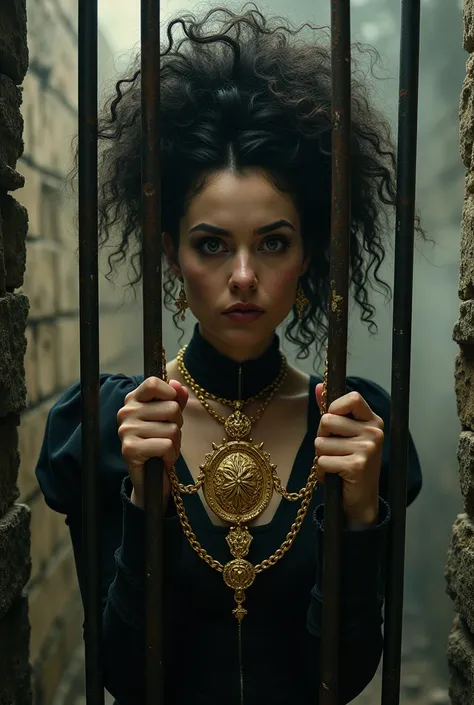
(244, 316)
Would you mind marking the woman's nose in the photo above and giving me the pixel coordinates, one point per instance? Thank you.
(243, 274)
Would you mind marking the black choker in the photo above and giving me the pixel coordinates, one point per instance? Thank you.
(219, 375)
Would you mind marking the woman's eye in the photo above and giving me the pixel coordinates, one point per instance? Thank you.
(276, 244)
(209, 245)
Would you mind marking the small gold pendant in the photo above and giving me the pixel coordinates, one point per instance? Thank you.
(237, 425)
(239, 480)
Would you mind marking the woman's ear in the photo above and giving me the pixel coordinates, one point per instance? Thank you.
(171, 254)
(305, 265)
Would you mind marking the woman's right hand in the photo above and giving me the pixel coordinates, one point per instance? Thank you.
(150, 427)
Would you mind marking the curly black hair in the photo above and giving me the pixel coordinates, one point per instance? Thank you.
(239, 91)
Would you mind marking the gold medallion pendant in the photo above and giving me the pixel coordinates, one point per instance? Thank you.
(239, 480)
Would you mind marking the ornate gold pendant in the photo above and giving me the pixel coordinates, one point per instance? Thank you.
(239, 574)
(239, 480)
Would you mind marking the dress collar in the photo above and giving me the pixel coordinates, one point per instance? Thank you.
(219, 375)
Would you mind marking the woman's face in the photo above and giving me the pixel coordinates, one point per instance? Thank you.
(240, 243)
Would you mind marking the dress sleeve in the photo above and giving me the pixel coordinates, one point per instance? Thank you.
(122, 528)
(362, 566)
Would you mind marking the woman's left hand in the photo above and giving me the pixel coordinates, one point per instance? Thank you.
(352, 448)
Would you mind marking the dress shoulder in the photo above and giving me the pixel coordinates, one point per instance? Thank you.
(58, 469)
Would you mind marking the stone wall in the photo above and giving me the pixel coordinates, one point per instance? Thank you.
(460, 563)
(15, 564)
(39, 340)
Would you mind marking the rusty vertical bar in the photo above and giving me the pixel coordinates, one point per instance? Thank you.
(337, 343)
(152, 335)
(89, 344)
(401, 343)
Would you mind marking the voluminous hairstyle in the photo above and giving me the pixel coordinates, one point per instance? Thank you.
(241, 91)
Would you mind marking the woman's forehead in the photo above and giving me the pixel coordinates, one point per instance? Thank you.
(249, 196)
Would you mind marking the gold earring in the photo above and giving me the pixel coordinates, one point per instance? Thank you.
(181, 302)
(301, 301)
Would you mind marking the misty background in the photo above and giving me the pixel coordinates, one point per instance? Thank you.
(433, 418)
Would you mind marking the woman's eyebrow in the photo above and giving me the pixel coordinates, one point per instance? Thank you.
(214, 230)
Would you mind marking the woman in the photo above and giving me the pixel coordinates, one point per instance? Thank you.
(246, 192)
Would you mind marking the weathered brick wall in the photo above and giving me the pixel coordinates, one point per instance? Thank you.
(14, 517)
(41, 347)
(460, 563)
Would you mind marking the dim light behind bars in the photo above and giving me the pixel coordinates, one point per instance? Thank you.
(337, 344)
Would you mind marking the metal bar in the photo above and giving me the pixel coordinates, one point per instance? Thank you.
(152, 335)
(337, 343)
(401, 344)
(89, 345)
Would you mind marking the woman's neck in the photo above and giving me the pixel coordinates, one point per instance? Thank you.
(237, 353)
(219, 373)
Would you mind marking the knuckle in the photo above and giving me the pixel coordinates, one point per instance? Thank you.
(378, 435)
(355, 397)
(367, 446)
(358, 463)
(128, 446)
(174, 410)
(325, 421)
(168, 445)
(174, 431)
(380, 424)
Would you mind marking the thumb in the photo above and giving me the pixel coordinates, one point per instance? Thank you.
(319, 394)
(182, 393)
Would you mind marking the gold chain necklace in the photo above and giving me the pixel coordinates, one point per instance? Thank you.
(238, 481)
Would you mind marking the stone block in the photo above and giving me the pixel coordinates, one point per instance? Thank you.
(464, 329)
(11, 124)
(63, 77)
(13, 317)
(461, 664)
(50, 666)
(468, 25)
(39, 283)
(31, 433)
(15, 671)
(31, 371)
(33, 110)
(15, 562)
(49, 129)
(466, 470)
(47, 357)
(466, 271)
(48, 533)
(466, 114)
(459, 571)
(50, 597)
(68, 281)
(30, 197)
(3, 274)
(14, 228)
(13, 44)
(464, 385)
(119, 330)
(68, 351)
(69, 10)
(9, 462)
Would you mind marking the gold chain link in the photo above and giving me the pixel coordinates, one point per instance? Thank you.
(203, 396)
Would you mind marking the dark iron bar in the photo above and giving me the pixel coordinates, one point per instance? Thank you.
(89, 344)
(401, 343)
(152, 335)
(337, 342)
